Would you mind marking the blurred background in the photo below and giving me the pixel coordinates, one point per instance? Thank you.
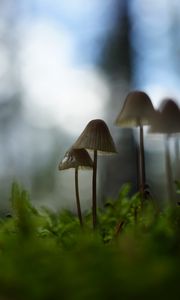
(63, 63)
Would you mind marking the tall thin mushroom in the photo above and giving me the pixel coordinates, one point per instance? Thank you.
(96, 137)
(137, 111)
(76, 158)
(167, 122)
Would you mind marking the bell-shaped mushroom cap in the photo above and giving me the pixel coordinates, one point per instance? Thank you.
(96, 136)
(168, 118)
(137, 110)
(76, 158)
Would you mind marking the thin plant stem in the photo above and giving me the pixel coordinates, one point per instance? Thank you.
(142, 173)
(77, 197)
(94, 201)
(119, 228)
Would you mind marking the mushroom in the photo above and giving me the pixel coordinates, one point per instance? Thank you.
(136, 112)
(167, 122)
(96, 137)
(76, 158)
(168, 118)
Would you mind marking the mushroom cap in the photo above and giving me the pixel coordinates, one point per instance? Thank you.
(75, 158)
(137, 110)
(168, 118)
(96, 136)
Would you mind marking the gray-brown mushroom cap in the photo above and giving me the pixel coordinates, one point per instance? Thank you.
(168, 118)
(76, 158)
(96, 136)
(137, 110)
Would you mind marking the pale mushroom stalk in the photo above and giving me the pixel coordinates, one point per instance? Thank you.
(95, 137)
(76, 158)
(77, 197)
(142, 172)
(177, 158)
(94, 181)
(169, 170)
(137, 111)
(167, 122)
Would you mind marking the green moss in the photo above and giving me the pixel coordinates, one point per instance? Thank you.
(135, 251)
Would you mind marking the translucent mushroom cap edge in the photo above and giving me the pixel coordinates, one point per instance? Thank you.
(137, 110)
(76, 158)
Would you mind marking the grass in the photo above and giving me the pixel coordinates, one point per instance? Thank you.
(133, 253)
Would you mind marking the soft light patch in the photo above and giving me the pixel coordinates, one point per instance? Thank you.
(57, 92)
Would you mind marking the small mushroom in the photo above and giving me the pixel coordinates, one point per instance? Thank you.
(137, 111)
(76, 158)
(96, 137)
(167, 122)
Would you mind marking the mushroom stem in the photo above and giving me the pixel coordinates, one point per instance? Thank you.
(169, 170)
(94, 213)
(77, 197)
(142, 173)
(177, 158)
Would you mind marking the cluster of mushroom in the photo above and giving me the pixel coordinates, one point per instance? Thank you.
(137, 111)
(96, 137)
(167, 122)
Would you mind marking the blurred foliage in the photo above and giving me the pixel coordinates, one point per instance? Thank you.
(134, 253)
